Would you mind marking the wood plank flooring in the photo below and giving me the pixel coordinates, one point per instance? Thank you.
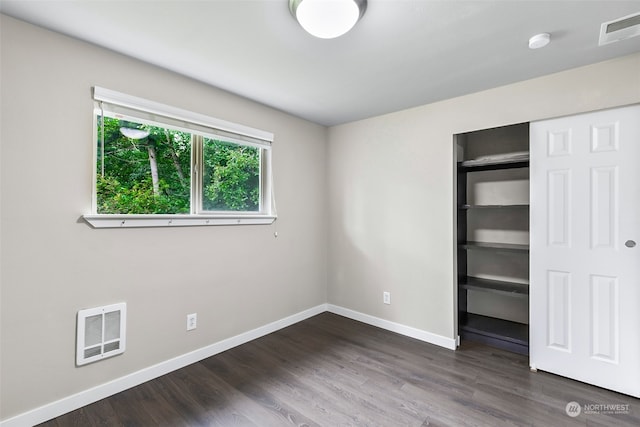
(333, 371)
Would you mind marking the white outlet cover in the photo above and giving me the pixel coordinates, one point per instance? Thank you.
(192, 321)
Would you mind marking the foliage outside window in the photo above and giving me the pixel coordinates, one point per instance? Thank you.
(142, 169)
(152, 165)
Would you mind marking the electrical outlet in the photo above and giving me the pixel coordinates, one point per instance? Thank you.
(386, 297)
(192, 321)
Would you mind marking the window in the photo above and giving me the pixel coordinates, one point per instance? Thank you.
(157, 165)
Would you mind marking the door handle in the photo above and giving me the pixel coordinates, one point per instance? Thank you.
(630, 244)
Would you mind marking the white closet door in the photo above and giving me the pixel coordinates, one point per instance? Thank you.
(585, 266)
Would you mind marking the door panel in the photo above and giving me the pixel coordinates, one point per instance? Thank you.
(604, 318)
(558, 310)
(559, 207)
(585, 281)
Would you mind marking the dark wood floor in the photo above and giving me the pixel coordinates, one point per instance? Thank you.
(332, 371)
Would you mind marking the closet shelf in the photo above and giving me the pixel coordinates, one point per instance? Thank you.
(493, 206)
(501, 333)
(492, 165)
(493, 246)
(497, 286)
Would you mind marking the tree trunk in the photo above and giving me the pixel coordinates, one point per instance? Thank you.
(174, 157)
(153, 165)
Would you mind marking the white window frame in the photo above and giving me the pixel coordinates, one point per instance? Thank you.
(199, 126)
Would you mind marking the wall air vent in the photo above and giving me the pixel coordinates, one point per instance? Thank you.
(620, 29)
(100, 333)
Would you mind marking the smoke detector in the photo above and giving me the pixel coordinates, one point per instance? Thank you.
(620, 29)
(539, 40)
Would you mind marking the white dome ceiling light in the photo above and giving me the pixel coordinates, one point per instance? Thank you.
(327, 19)
(134, 133)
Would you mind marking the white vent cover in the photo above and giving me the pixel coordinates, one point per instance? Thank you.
(101, 333)
(620, 29)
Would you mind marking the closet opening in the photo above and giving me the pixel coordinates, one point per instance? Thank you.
(492, 236)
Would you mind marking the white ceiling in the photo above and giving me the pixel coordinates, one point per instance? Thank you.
(403, 53)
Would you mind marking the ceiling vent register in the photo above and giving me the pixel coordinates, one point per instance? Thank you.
(620, 29)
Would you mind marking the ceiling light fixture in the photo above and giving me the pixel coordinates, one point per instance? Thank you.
(327, 19)
(134, 133)
(539, 40)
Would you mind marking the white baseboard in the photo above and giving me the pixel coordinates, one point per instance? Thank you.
(408, 331)
(87, 397)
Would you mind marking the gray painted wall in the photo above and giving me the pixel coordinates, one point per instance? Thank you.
(236, 278)
(391, 189)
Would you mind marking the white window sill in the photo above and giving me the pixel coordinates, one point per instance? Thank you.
(136, 221)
